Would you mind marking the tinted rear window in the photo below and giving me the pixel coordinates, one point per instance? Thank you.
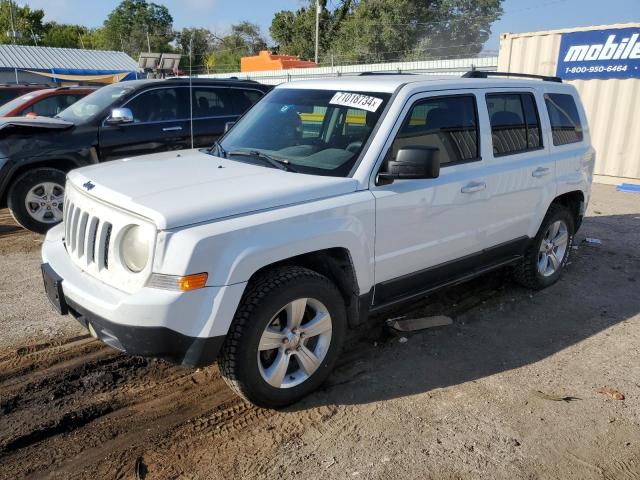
(564, 118)
(6, 95)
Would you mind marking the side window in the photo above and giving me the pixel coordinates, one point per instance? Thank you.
(243, 99)
(312, 122)
(47, 107)
(212, 102)
(447, 123)
(357, 123)
(157, 105)
(515, 125)
(65, 101)
(564, 118)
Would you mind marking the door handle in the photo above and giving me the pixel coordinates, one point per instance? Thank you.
(172, 129)
(540, 172)
(473, 187)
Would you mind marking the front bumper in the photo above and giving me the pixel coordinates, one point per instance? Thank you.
(187, 328)
(158, 342)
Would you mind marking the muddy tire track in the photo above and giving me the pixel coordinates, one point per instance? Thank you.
(75, 408)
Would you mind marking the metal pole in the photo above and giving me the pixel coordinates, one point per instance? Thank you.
(317, 27)
(148, 42)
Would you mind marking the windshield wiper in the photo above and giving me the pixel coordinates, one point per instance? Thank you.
(280, 164)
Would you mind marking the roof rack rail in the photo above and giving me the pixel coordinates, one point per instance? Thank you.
(485, 74)
(213, 79)
(366, 74)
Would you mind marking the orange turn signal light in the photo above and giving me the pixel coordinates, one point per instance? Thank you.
(192, 282)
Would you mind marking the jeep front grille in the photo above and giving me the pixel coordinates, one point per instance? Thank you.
(87, 237)
(92, 232)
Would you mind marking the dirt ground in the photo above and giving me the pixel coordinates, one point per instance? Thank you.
(477, 399)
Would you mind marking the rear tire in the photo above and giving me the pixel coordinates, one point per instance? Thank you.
(36, 197)
(266, 358)
(548, 253)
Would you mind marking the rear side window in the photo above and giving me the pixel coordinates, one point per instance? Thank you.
(564, 118)
(515, 125)
(243, 99)
(211, 102)
(448, 123)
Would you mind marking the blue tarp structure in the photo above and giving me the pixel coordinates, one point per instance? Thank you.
(69, 64)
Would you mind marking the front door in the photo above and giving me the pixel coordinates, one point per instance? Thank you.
(161, 122)
(429, 230)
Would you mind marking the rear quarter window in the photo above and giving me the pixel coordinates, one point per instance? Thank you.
(565, 120)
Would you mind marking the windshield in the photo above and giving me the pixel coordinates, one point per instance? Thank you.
(88, 107)
(16, 102)
(315, 131)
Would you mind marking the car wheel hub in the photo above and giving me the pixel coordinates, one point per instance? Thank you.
(44, 202)
(553, 248)
(294, 343)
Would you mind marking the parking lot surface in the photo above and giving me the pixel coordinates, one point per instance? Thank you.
(508, 391)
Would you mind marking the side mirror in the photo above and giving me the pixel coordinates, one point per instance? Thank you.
(120, 115)
(412, 162)
(228, 125)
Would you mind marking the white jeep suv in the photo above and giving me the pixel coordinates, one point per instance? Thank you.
(330, 199)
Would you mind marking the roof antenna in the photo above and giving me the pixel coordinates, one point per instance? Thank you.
(191, 89)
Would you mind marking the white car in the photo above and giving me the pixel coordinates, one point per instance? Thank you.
(328, 200)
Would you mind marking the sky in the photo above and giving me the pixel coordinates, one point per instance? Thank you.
(218, 15)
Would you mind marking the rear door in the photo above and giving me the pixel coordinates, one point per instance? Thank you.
(161, 122)
(212, 109)
(520, 169)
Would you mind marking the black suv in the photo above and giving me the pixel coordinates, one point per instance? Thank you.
(116, 121)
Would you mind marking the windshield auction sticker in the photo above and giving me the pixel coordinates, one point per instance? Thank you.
(356, 100)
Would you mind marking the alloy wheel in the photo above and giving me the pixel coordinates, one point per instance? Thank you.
(294, 343)
(553, 248)
(44, 202)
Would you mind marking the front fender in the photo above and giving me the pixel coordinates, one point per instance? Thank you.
(231, 250)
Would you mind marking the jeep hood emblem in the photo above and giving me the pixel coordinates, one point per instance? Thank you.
(88, 185)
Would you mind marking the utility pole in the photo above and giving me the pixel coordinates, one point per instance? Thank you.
(14, 35)
(148, 42)
(317, 27)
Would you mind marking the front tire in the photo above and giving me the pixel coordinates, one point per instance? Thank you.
(36, 198)
(285, 337)
(548, 252)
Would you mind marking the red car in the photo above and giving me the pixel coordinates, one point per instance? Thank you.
(46, 102)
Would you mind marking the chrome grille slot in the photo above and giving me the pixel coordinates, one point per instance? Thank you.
(73, 237)
(107, 242)
(91, 239)
(67, 225)
(101, 255)
(82, 230)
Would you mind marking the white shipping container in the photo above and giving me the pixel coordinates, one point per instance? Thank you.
(612, 105)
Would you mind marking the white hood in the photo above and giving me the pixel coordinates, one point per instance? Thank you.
(179, 188)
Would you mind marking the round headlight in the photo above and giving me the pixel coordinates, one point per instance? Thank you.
(134, 249)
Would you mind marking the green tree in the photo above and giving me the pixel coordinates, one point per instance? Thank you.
(203, 41)
(244, 40)
(135, 25)
(295, 31)
(67, 36)
(385, 30)
(20, 25)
